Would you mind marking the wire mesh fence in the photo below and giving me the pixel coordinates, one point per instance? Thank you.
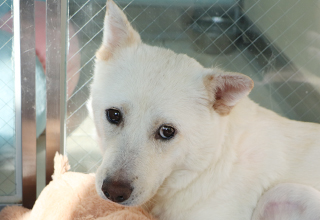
(274, 42)
(7, 103)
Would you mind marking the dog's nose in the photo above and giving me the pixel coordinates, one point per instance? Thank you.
(116, 191)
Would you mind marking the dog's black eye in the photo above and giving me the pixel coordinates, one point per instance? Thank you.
(114, 116)
(166, 132)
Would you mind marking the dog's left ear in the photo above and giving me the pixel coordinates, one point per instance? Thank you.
(117, 32)
(227, 89)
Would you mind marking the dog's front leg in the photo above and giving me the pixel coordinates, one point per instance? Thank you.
(289, 201)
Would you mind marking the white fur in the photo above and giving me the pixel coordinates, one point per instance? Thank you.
(216, 167)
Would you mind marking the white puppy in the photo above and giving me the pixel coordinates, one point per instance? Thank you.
(184, 141)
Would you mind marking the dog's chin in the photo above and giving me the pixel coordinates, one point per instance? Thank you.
(140, 197)
(131, 202)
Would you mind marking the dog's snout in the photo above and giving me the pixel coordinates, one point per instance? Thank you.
(116, 191)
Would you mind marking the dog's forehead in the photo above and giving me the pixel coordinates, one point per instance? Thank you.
(156, 64)
(156, 78)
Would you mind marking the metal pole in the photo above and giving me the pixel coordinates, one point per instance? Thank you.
(56, 80)
(28, 101)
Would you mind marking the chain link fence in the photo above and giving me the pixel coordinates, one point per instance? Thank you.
(7, 103)
(274, 42)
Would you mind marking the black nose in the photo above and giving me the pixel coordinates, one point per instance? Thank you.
(116, 191)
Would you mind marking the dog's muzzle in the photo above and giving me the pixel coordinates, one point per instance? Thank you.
(116, 191)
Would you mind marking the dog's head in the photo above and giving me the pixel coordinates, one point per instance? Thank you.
(156, 112)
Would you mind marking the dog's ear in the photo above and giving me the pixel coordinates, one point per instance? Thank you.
(226, 89)
(117, 32)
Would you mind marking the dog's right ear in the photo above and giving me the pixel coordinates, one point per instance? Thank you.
(117, 32)
(227, 89)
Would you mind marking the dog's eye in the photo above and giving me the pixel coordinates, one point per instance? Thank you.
(166, 132)
(114, 116)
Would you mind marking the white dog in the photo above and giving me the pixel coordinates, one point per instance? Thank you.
(185, 142)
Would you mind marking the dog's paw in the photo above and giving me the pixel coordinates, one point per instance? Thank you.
(288, 202)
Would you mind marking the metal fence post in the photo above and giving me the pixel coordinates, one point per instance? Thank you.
(56, 80)
(28, 101)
